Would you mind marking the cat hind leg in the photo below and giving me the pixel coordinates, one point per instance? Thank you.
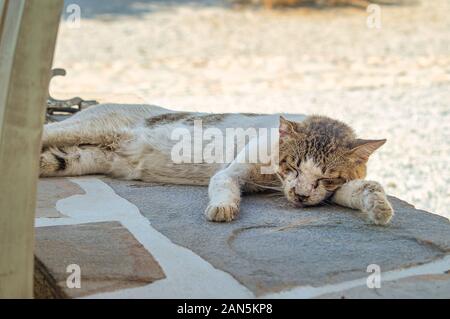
(75, 161)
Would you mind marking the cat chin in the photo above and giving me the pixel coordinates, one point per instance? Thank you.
(303, 204)
(298, 205)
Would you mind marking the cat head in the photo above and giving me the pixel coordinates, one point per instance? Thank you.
(317, 156)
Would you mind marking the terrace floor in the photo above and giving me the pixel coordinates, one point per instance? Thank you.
(140, 240)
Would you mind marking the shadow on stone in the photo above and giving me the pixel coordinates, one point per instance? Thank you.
(273, 247)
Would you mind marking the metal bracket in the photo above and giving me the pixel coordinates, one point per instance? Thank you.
(65, 107)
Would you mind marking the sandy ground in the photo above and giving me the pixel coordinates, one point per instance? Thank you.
(392, 82)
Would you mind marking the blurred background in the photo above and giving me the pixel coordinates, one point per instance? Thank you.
(382, 68)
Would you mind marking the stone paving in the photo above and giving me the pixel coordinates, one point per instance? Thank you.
(140, 240)
(107, 253)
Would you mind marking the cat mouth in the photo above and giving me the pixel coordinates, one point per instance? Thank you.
(299, 205)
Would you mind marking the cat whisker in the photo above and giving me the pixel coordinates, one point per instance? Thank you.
(328, 203)
(275, 195)
(278, 189)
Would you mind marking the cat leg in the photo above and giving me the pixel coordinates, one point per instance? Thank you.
(366, 196)
(69, 132)
(75, 161)
(101, 124)
(226, 185)
(224, 196)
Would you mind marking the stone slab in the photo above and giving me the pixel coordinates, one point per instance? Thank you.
(109, 256)
(49, 191)
(273, 247)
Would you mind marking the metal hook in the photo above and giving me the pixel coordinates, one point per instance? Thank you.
(70, 106)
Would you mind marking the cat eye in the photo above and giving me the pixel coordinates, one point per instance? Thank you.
(332, 181)
(316, 184)
(290, 166)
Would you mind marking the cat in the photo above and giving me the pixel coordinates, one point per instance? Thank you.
(311, 159)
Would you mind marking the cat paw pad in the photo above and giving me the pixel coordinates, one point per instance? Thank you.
(378, 208)
(221, 213)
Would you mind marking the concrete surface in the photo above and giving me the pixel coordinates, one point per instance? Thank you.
(423, 287)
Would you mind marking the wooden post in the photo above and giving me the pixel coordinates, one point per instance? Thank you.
(27, 41)
(2, 14)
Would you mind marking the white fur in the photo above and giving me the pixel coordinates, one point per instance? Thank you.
(366, 196)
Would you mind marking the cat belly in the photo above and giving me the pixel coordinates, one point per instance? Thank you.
(150, 160)
(172, 173)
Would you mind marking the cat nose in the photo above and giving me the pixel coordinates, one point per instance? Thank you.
(302, 198)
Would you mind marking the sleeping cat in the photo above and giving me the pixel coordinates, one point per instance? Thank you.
(310, 159)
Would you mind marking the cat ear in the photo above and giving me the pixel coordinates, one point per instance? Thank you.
(287, 129)
(362, 149)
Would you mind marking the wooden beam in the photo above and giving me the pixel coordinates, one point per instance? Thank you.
(26, 52)
(3, 5)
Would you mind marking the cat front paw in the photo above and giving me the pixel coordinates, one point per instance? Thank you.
(222, 212)
(378, 208)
